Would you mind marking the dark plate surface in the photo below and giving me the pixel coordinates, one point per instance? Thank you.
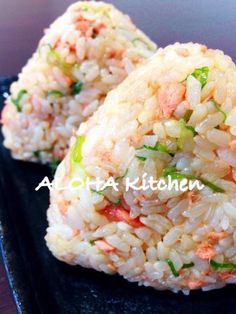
(39, 282)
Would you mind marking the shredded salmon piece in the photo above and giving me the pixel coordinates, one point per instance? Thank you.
(186, 105)
(105, 155)
(169, 96)
(223, 127)
(5, 115)
(99, 26)
(192, 197)
(232, 146)
(134, 139)
(205, 251)
(83, 26)
(139, 198)
(194, 284)
(214, 237)
(76, 232)
(63, 206)
(88, 27)
(224, 275)
(61, 153)
(182, 51)
(24, 123)
(115, 53)
(112, 267)
(104, 246)
(118, 213)
(203, 48)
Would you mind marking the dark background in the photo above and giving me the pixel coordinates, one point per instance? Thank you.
(211, 22)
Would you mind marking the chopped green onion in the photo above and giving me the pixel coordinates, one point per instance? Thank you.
(212, 186)
(16, 101)
(107, 15)
(187, 126)
(187, 265)
(217, 265)
(37, 153)
(187, 115)
(186, 132)
(76, 88)
(159, 147)
(218, 109)
(117, 202)
(54, 164)
(172, 267)
(141, 158)
(190, 128)
(76, 152)
(98, 192)
(174, 174)
(54, 92)
(121, 177)
(169, 170)
(54, 58)
(77, 169)
(138, 39)
(201, 74)
(85, 7)
(178, 175)
(92, 242)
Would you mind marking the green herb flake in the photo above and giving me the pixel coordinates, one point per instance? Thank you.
(141, 158)
(16, 101)
(76, 88)
(217, 265)
(218, 109)
(187, 115)
(187, 265)
(54, 93)
(92, 242)
(54, 164)
(201, 74)
(172, 267)
(76, 152)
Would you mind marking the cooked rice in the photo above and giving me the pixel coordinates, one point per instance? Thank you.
(182, 228)
(92, 43)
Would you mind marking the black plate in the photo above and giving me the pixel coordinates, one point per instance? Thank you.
(39, 282)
